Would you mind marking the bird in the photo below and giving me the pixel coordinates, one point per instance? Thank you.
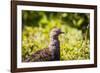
(52, 52)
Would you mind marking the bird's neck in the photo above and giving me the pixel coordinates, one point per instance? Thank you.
(54, 47)
(52, 39)
(54, 43)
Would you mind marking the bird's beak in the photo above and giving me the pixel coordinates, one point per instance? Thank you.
(61, 32)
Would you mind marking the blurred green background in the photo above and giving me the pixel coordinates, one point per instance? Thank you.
(74, 43)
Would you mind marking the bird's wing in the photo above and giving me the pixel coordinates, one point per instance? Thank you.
(41, 55)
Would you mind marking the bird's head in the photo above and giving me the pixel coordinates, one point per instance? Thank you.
(55, 32)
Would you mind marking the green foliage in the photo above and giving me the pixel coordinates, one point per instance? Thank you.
(74, 43)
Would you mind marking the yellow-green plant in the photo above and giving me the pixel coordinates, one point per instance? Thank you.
(74, 43)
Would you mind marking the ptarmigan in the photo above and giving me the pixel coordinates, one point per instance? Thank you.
(52, 53)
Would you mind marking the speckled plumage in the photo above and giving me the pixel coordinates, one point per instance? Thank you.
(52, 53)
